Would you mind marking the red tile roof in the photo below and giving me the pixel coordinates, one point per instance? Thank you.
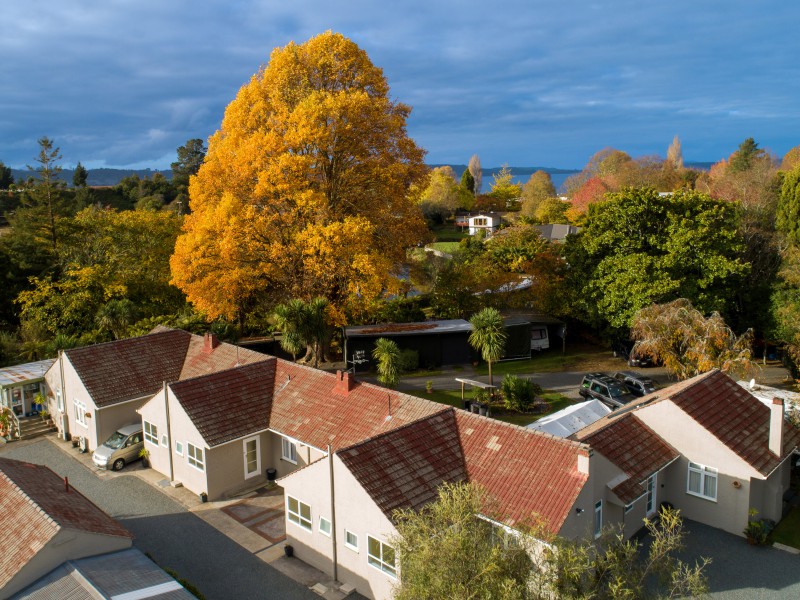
(34, 507)
(305, 406)
(122, 370)
(635, 449)
(133, 368)
(531, 475)
(229, 404)
(734, 416)
(404, 468)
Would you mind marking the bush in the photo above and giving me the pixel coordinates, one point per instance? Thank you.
(518, 393)
(409, 361)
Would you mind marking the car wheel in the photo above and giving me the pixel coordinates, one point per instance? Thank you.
(118, 464)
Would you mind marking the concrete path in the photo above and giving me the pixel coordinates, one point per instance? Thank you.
(208, 548)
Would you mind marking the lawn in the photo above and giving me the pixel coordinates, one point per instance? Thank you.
(787, 532)
(545, 362)
(448, 247)
(448, 233)
(453, 398)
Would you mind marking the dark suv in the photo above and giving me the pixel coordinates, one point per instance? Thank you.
(639, 385)
(606, 389)
(624, 350)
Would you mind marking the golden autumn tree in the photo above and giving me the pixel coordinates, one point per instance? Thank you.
(303, 191)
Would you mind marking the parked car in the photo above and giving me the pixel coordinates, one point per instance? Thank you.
(606, 389)
(638, 385)
(625, 351)
(121, 448)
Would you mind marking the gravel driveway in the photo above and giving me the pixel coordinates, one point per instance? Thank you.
(174, 537)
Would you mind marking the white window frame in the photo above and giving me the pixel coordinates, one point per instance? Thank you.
(377, 562)
(150, 433)
(598, 519)
(179, 448)
(650, 484)
(329, 526)
(80, 413)
(257, 440)
(59, 400)
(288, 450)
(296, 516)
(705, 474)
(192, 452)
(347, 544)
(164, 440)
(628, 508)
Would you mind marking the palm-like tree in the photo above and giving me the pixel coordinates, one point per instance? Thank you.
(387, 354)
(290, 320)
(317, 326)
(488, 336)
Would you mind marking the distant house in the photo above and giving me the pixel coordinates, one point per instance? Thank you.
(483, 222)
(556, 232)
(94, 390)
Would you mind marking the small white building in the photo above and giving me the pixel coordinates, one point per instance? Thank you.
(483, 222)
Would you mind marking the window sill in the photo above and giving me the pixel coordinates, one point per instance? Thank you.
(289, 460)
(696, 495)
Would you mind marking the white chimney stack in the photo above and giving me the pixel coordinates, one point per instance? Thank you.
(776, 427)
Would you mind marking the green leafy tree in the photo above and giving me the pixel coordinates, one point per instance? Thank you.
(503, 186)
(80, 176)
(116, 317)
(441, 197)
(535, 192)
(488, 336)
(387, 355)
(552, 210)
(687, 343)
(45, 199)
(304, 326)
(446, 551)
(743, 158)
(639, 248)
(468, 181)
(6, 179)
(788, 214)
(190, 158)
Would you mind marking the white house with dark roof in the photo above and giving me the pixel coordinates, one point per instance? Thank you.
(94, 390)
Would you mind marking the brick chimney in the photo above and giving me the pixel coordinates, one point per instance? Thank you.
(210, 341)
(776, 427)
(344, 382)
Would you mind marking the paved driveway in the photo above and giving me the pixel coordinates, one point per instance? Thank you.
(740, 571)
(174, 537)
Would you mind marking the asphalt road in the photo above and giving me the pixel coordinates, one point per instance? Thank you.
(172, 536)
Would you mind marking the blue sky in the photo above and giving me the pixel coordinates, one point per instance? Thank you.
(123, 83)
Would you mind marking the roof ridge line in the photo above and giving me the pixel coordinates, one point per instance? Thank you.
(135, 337)
(445, 409)
(233, 368)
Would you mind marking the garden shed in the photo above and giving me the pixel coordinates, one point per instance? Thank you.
(437, 343)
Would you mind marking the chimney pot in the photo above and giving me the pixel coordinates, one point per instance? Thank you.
(344, 382)
(776, 427)
(210, 341)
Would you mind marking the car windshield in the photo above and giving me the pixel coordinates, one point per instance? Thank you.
(616, 391)
(116, 440)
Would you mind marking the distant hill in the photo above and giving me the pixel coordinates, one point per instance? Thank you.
(97, 176)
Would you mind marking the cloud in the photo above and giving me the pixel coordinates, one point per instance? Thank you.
(520, 82)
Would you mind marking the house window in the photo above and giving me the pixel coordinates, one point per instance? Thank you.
(179, 448)
(59, 400)
(164, 441)
(598, 518)
(702, 481)
(381, 556)
(80, 412)
(628, 508)
(288, 451)
(324, 526)
(651, 493)
(195, 456)
(151, 433)
(298, 512)
(252, 457)
(351, 540)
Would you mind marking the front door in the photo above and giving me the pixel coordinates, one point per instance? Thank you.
(651, 494)
(252, 457)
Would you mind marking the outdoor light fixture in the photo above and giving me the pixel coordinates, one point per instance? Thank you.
(578, 510)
